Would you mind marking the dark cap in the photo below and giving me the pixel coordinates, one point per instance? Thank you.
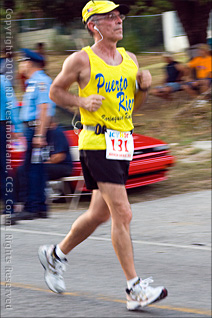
(31, 55)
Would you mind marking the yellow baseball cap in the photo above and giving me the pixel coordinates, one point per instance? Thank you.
(101, 7)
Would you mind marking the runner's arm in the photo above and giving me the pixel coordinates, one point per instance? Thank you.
(144, 81)
(73, 71)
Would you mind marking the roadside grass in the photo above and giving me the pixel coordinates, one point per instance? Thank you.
(182, 178)
(175, 123)
(178, 122)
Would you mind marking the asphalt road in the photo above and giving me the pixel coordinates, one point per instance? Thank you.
(172, 243)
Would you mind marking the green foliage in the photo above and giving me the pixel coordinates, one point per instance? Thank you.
(65, 10)
(205, 1)
(62, 10)
(151, 6)
(130, 42)
(163, 5)
(143, 34)
(2, 13)
(61, 43)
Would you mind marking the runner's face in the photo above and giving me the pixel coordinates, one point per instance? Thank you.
(110, 25)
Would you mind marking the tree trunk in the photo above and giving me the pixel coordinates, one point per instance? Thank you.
(194, 18)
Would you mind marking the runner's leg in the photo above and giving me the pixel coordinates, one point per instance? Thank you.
(86, 223)
(115, 195)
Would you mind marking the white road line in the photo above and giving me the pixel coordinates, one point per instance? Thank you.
(98, 238)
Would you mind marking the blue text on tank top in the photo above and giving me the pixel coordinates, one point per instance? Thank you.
(115, 85)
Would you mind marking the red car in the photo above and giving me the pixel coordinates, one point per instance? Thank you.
(151, 159)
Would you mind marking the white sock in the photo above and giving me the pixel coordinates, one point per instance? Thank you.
(59, 253)
(131, 282)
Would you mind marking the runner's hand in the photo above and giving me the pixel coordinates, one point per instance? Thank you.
(144, 79)
(93, 102)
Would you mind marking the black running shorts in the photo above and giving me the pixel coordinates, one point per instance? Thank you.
(96, 168)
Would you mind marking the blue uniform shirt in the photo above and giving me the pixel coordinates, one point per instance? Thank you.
(9, 106)
(37, 92)
(57, 143)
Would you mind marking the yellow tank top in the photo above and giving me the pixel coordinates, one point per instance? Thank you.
(117, 85)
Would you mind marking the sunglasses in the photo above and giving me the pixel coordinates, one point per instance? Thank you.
(111, 17)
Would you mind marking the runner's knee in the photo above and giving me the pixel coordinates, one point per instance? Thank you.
(99, 216)
(103, 218)
(122, 213)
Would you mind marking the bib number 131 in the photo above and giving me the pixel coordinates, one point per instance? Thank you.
(119, 145)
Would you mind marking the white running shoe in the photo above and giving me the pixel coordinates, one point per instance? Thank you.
(141, 294)
(54, 268)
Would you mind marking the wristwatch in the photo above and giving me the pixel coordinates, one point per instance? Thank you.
(143, 89)
(39, 136)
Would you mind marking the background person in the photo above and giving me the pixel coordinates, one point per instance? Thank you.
(107, 89)
(59, 161)
(8, 116)
(57, 164)
(202, 65)
(40, 49)
(174, 72)
(36, 112)
(7, 65)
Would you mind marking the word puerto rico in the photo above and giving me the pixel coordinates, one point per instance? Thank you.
(116, 85)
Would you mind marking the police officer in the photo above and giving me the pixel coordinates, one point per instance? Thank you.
(8, 116)
(36, 113)
(57, 162)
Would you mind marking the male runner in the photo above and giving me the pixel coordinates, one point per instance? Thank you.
(106, 76)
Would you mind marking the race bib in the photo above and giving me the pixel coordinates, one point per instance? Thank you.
(120, 145)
